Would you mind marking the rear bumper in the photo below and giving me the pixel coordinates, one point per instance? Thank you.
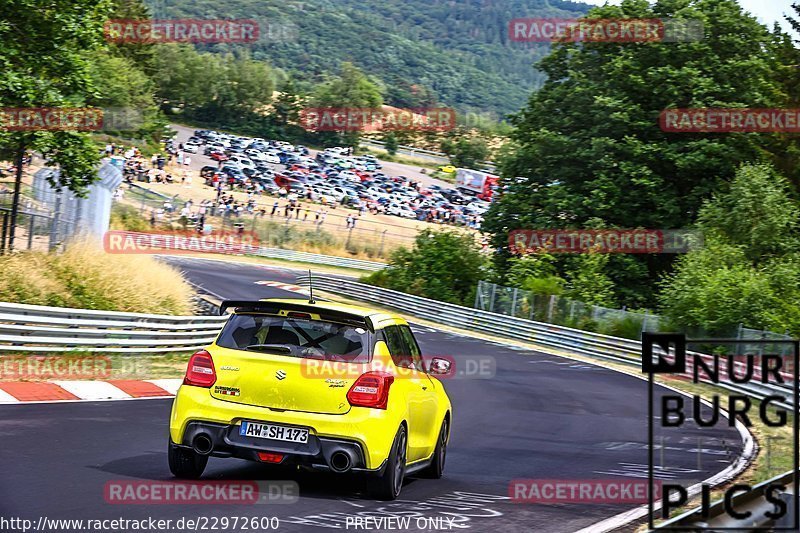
(317, 453)
(365, 434)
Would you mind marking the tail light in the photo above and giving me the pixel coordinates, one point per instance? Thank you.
(371, 390)
(200, 372)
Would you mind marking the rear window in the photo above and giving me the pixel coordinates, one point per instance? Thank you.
(296, 337)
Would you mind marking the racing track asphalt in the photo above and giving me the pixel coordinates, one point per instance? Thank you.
(539, 416)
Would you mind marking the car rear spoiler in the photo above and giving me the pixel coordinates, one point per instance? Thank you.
(273, 308)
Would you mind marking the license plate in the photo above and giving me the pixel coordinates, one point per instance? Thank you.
(271, 431)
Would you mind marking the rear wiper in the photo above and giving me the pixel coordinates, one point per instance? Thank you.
(273, 348)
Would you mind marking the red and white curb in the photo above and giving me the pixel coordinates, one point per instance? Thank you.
(15, 392)
(283, 286)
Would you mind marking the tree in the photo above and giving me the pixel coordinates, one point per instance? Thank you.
(391, 144)
(535, 273)
(465, 151)
(351, 89)
(794, 22)
(288, 104)
(588, 145)
(749, 270)
(44, 64)
(756, 212)
(443, 265)
(186, 78)
(588, 282)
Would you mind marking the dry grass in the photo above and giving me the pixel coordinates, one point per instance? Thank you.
(85, 277)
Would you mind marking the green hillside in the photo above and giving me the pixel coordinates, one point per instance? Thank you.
(455, 52)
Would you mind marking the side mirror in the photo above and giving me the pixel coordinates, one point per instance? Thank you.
(440, 366)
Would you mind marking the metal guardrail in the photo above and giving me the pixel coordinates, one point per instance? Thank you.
(592, 345)
(34, 328)
(319, 259)
(439, 157)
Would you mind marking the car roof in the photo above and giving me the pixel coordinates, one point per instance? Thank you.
(375, 316)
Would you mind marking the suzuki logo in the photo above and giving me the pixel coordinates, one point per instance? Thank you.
(280, 374)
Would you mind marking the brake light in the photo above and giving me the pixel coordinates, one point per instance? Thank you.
(269, 457)
(371, 390)
(200, 372)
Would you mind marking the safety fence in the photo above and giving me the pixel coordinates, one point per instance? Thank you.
(564, 311)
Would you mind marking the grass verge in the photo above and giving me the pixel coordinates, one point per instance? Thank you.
(86, 277)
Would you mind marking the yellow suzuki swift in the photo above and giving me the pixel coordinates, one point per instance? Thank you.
(318, 385)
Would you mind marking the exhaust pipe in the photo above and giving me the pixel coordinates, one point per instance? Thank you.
(341, 462)
(202, 444)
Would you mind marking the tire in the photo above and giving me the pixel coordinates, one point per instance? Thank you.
(185, 463)
(388, 485)
(436, 468)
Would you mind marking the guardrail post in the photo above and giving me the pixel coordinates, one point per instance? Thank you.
(479, 296)
(54, 222)
(30, 231)
(5, 232)
(514, 303)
